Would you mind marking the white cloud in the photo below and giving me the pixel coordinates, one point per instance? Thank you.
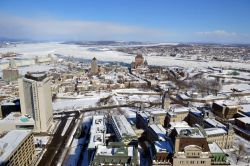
(54, 29)
(222, 36)
(218, 33)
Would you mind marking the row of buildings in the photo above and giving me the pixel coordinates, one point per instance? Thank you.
(17, 145)
(122, 151)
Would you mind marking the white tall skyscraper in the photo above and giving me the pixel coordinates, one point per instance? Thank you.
(36, 101)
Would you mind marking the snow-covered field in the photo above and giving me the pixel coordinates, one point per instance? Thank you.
(69, 102)
(74, 103)
(244, 159)
(43, 49)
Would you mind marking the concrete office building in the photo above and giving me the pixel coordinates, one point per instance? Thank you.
(17, 148)
(36, 99)
(11, 73)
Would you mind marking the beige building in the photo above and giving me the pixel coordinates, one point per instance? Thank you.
(223, 138)
(36, 99)
(192, 156)
(158, 116)
(94, 66)
(191, 147)
(225, 109)
(10, 74)
(17, 148)
(176, 115)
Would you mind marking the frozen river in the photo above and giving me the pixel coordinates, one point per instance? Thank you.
(43, 49)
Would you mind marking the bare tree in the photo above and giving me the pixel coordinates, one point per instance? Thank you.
(240, 152)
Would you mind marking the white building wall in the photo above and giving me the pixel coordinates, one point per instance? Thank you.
(36, 101)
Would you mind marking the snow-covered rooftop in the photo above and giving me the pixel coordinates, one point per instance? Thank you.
(214, 148)
(179, 124)
(163, 146)
(112, 151)
(215, 131)
(16, 118)
(189, 132)
(97, 132)
(214, 122)
(245, 120)
(123, 126)
(226, 103)
(159, 130)
(10, 142)
(178, 110)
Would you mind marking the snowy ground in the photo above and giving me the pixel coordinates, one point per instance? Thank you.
(79, 101)
(239, 86)
(245, 153)
(43, 49)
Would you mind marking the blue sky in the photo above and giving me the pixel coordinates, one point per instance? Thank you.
(220, 21)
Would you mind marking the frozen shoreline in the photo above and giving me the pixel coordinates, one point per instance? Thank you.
(43, 49)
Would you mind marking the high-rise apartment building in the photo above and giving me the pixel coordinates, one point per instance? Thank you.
(36, 101)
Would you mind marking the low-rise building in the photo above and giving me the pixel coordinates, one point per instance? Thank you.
(211, 123)
(196, 117)
(17, 148)
(7, 108)
(123, 130)
(142, 120)
(155, 132)
(218, 156)
(158, 116)
(97, 132)
(242, 127)
(191, 147)
(16, 120)
(225, 109)
(223, 138)
(176, 115)
(116, 153)
(147, 117)
(162, 153)
(192, 155)
(243, 122)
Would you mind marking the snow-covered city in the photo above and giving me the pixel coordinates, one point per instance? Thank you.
(92, 92)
